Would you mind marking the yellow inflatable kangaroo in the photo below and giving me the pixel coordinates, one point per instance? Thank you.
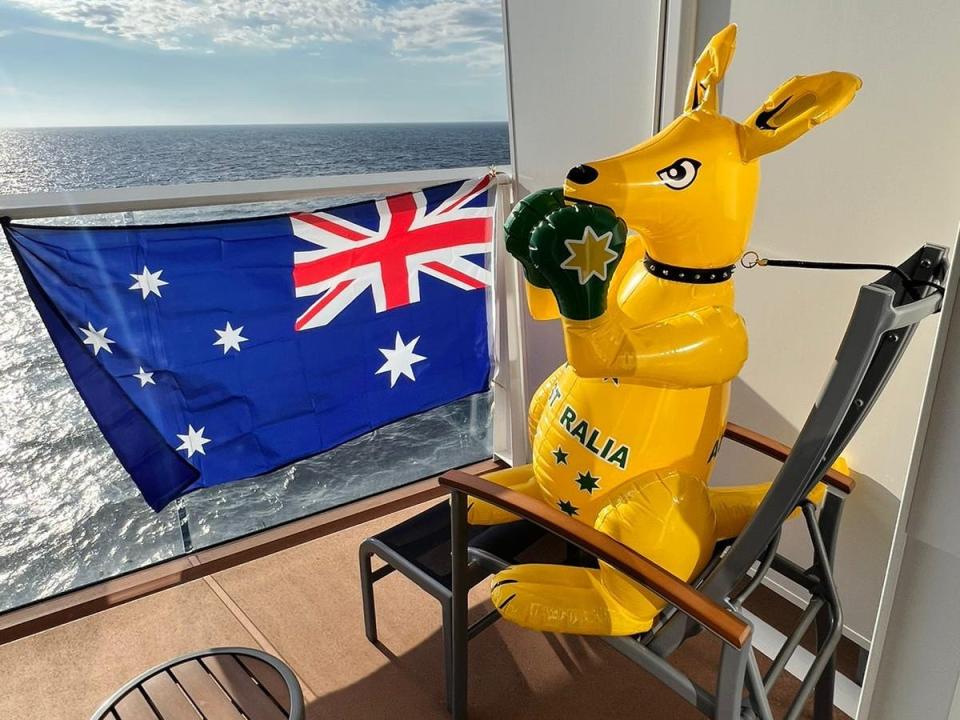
(625, 433)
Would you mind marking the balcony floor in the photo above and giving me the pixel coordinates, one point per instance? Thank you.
(303, 604)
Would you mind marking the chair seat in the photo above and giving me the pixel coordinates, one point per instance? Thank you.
(221, 683)
(424, 540)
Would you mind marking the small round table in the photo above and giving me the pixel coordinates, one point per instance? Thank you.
(219, 684)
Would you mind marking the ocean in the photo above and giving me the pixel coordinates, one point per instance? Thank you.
(69, 514)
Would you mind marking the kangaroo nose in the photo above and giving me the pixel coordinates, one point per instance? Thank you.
(582, 175)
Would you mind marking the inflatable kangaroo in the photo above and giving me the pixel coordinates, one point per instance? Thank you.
(625, 433)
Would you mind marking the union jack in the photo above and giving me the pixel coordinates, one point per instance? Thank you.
(409, 240)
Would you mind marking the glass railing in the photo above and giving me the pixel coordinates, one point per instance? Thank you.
(69, 514)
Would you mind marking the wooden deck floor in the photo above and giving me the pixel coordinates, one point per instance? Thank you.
(303, 605)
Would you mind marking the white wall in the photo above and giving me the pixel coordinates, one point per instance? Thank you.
(915, 668)
(872, 185)
(583, 83)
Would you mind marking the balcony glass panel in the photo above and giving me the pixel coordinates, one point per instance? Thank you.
(69, 514)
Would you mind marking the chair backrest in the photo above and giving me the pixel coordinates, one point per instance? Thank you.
(883, 321)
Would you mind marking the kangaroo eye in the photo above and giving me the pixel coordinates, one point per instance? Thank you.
(680, 174)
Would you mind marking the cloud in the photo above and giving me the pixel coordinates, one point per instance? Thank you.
(71, 35)
(467, 32)
(195, 24)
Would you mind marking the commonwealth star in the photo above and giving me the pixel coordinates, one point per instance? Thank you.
(587, 482)
(590, 255)
(400, 359)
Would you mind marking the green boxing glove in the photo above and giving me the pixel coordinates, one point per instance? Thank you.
(526, 215)
(577, 249)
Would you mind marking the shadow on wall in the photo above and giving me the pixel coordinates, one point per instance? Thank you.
(867, 525)
(746, 403)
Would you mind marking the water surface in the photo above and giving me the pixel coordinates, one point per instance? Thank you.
(69, 514)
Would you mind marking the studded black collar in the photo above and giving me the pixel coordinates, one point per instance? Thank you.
(695, 276)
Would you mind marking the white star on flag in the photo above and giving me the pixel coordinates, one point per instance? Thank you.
(230, 338)
(97, 339)
(193, 441)
(400, 359)
(148, 282)
(145, 378)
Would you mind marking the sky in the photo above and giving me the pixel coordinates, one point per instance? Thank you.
(174, 62)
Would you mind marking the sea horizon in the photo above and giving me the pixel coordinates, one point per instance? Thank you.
(256, 124)
(112, 156)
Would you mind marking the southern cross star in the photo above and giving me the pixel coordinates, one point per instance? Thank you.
(587, 482)
(567, 507)
(230, 338)
(148, 282)
(97, 339)
(193, 441)
(561, 456)
(400, 359)
(590, 255)
(145, 378)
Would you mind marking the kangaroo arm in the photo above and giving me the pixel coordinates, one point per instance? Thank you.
(703, 347)
(543, 305)
(540, 399)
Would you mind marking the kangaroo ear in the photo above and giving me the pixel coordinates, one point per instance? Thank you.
(801, 103)
(708, 71)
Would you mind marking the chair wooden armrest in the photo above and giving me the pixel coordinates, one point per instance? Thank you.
(778, 451)
(713, 616)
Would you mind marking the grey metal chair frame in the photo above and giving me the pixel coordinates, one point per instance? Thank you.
(297, 711)
(883, 321)
(394, 561)
(430, 532)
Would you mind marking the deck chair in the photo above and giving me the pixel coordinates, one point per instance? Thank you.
(883, 321)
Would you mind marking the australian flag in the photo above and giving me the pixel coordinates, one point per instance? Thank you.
(210, 352)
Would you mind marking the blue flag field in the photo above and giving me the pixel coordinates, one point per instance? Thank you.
(211, 352)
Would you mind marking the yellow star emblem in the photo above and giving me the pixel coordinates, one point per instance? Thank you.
(590, 255)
